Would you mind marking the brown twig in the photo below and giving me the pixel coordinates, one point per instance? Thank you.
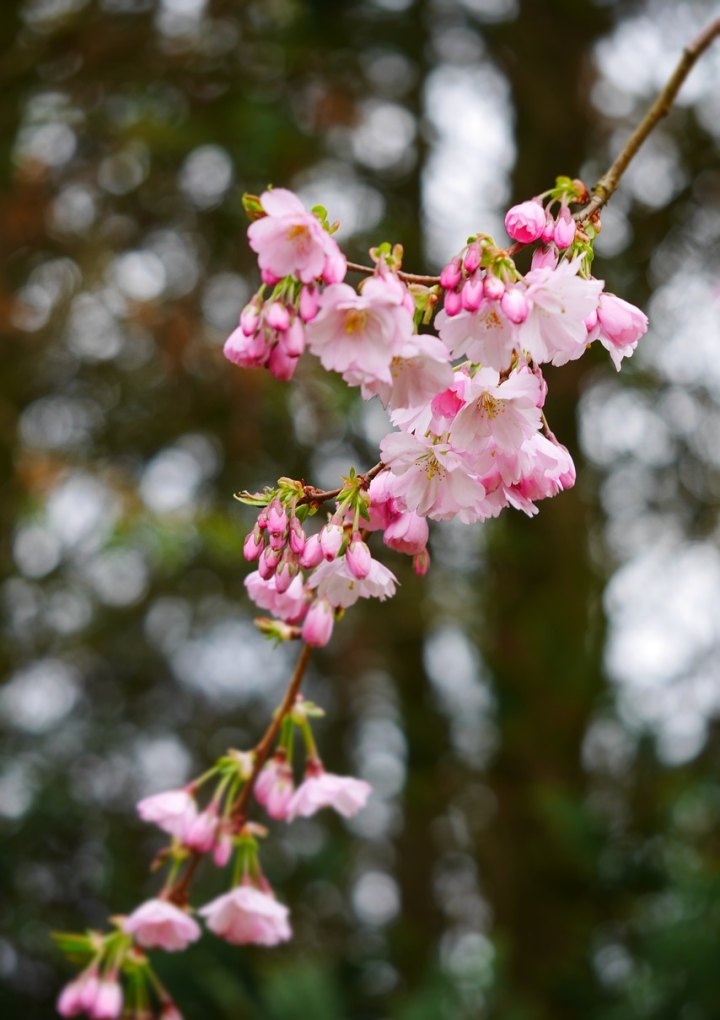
(659, 109)
(315, 497)
(428, 281)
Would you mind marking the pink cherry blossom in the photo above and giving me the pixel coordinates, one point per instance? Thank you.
(419, 370)
(108, 1001)
(619, 327)
(331, 539)
(173, 811)
(289, 241)
(336, 583)
(70, 1000)
(507, 412)
(358, 335)
(408, 533)
(560, 301)
(546, 468)
(525, 222)
(201, 833)
(358, 558)
(321, 789)
(247, 915)
(158, 924)
(274, 787)
(486, 337)
(432, 479)
(288, 605)
(564, 230)
(318, 626)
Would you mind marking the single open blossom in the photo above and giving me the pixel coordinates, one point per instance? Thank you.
(358, 335)
(159, 924)
(420, 369)
(619, 327)
(321, 789)
(201, 833)
(408, 533)
(525, 222)
(337, 584)
(289, 605)
(274, 787)
(247, 915)
(546, 468)
(486, 337)
(432, 479)
(173, 811)
(560, 301)
(289, 241)
(507, 412)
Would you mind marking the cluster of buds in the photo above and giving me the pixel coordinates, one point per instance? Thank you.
(481, 275)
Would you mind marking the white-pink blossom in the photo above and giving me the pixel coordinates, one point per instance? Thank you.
(336, 583)
(419, 370)
(432, 479)
(289, 605)
(358, 335)
(486, 337)
(320, 620)
(546, 468)
(290, 241)
(274, 787)
(321, 789)
(173, 811)
(619, 327)
(505, 412)
(158, 924)
(560, 301)
(408, 533)
(247, 915)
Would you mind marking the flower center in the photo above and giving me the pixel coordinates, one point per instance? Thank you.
(490, 405)
(355, 320)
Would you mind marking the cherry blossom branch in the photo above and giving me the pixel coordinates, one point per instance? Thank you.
(428, 281)
(610, 180)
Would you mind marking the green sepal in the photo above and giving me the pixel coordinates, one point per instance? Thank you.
(255, 498)
(78, 948)
(252, 207)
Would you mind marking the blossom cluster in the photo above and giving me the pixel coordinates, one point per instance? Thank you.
(458, 366)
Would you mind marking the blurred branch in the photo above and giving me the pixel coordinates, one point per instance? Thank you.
(660, 108)
(315, 497)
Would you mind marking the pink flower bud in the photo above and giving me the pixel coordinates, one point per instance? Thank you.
(564, 232)
(312, 554)
(591, 321)
(249, 318)
(89, 992)
(283, 576)
(472, 258)
(294, 339)
(277, 519)
(281, 364)
(494, 287)
(451, 275)
(108, 1001)
(331, 539)
(262, 520)
(308, 304)
(269, 278)
(277, 316)
(223, 850)
(335, 268)
(548, 232)
(544, 257)
(421, 563)
(277, 542)
(253, 545)
(453, 302)
(267, 564)
(297, 536)
(70, 1000)
(621, 322)
(318, 625)
(358, 557)
(525, 222)
(472, 294)
(408, 533)
(274, 787)
(246, 351)
(515, 305)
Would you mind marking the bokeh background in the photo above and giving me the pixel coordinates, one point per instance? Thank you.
(539, 716)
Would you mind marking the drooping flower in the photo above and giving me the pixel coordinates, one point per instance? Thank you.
(321, 789)
(560, 301)
(320, 620)
(546, 468)
(158, 924)
(246, 915)
(173, 811)
(335, 583)
(619, 327)
(274, 787)
(288, 605)
(408, 533)
(290, 241)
